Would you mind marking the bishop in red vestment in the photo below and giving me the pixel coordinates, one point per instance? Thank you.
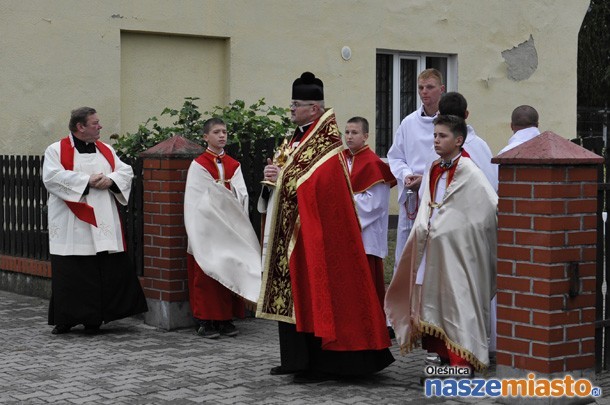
(316, 279)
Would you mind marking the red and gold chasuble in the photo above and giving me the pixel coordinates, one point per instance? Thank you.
(81, 210)
(316, 273)
(368, 170)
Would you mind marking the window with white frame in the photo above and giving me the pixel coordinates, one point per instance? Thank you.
(396, 89)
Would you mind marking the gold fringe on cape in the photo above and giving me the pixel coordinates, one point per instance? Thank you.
(429, 329)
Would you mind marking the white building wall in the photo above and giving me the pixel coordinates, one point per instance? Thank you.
(61, 54)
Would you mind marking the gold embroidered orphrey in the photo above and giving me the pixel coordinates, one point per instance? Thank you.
(275, 301)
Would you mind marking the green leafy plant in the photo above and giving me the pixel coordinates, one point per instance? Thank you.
(257, 121)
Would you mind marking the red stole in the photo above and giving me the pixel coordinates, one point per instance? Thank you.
(368, 170)
(208, 160)
(437, 170)
(81, 210)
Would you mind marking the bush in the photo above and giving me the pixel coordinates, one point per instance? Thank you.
(258, 121)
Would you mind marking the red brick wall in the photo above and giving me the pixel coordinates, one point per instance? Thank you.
(165, 238)
(32, 267)
(546, 219)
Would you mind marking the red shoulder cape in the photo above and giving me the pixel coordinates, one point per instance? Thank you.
(368, 170)
(208, 160)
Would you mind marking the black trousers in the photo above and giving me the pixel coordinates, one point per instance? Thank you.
(94, 289)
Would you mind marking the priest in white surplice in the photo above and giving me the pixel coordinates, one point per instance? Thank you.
(93, 279)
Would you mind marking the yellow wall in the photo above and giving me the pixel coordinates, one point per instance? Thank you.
(188, 65)
(61, 54)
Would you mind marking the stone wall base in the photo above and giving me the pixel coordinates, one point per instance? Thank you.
(168, 315)
(25, 284)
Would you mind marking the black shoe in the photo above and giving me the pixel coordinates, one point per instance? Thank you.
(207, 330)
(391, 332)
(226, 328)
(310, 377)
(61, 329)
(92, 329)
(281, 370)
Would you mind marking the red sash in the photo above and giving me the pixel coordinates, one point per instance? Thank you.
(83, 211)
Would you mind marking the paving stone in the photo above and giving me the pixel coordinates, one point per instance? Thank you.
(133, 363)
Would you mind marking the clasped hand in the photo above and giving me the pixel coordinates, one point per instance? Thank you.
(100, 181)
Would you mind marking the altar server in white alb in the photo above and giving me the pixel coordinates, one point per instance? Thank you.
(371, 181)
(411, 152)
(93, 279)
(224, 260)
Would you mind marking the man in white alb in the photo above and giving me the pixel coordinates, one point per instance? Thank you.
(411, 152)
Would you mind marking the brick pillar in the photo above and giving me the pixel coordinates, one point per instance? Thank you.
(546, 259)
(165, 167)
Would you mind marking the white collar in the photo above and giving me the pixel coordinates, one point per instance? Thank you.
(302, 127)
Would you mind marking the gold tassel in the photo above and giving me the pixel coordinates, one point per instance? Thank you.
(454, 347)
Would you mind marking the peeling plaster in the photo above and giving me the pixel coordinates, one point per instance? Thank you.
(522, 60)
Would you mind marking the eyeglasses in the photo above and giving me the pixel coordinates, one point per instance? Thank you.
(296, 104)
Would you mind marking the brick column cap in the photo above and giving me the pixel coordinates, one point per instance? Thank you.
(548, 148)
(175, 147)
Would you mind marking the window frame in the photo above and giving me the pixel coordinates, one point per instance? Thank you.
(450, 79)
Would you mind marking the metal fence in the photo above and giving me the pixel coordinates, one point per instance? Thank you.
(592, 129)
(23, 198)
(22, 214)
(23, 210)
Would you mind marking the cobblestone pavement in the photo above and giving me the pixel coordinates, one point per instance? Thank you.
(132, 363)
